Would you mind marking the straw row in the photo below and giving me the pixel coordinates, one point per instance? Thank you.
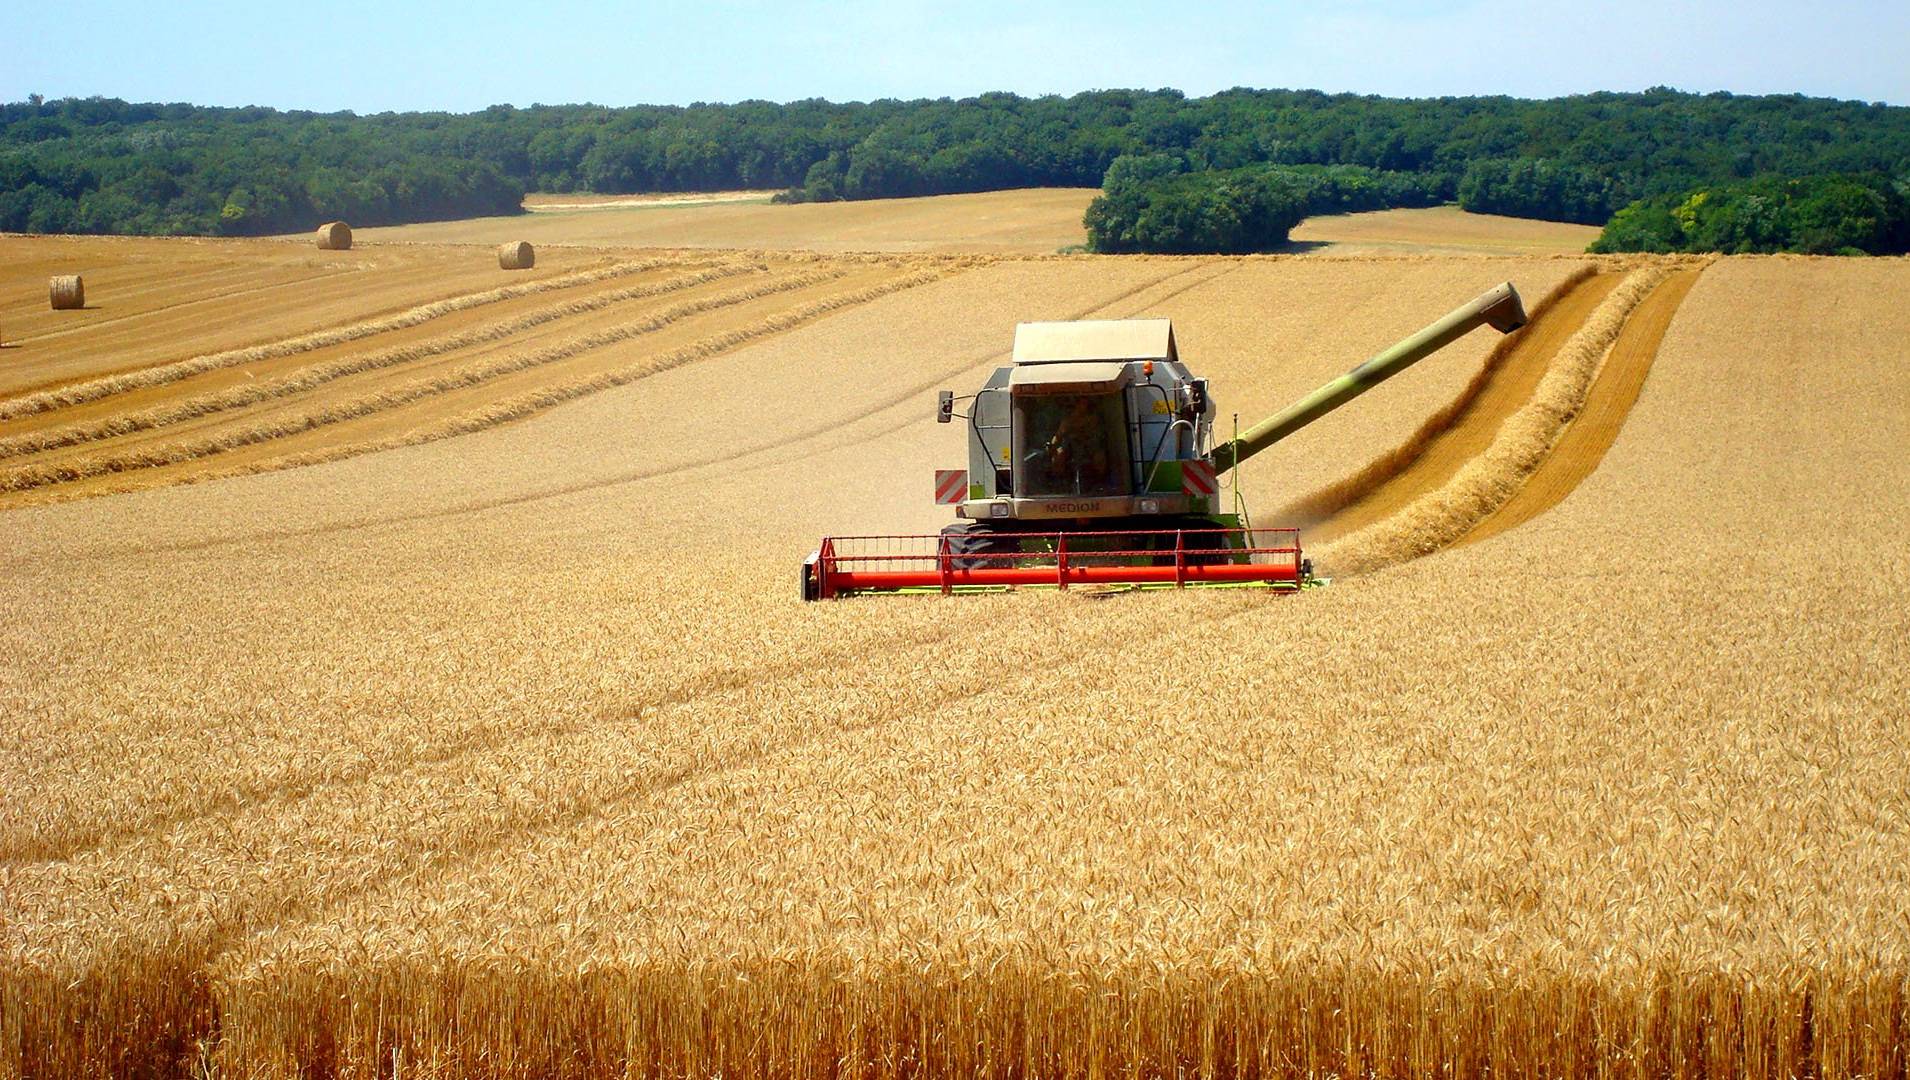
(1331, 499)
(313, 376)
(95, 389)
(1441, 517)
(545, 397)
(336, 411)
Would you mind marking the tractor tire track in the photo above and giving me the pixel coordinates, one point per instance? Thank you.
(166, 309)
(739, 463)
(53, 485)
(27, 850)
(993, 358)
(728, 456)
(66, 984)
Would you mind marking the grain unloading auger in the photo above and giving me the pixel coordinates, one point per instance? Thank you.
(1091, 461)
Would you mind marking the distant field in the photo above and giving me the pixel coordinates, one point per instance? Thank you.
(153, 300)
(1033, 221)
(1440, 229)
(1029, 221)
(538, 202)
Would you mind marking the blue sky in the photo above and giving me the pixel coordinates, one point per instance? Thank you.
(372, 57)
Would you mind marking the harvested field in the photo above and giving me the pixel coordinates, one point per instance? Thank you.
(451, 365)
(147, 300)
(1029, 222)
(1454, 436)
(514, 752)
(1026, 222)
(560, 202)
(1582, 445)
(1440, 229)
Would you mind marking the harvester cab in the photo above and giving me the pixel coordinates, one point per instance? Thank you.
(1092, 460)
(1092, 420)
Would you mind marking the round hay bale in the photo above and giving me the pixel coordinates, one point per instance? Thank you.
(334, 236)
(516, 256)
(67, 292)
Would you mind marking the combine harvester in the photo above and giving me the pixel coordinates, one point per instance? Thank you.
(1091, 461)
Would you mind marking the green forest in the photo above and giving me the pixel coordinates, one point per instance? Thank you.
(1217, 173)
(1152, 203)
(1818, 215)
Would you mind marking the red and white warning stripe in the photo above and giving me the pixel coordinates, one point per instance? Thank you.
(1197, 477)
(951, 485)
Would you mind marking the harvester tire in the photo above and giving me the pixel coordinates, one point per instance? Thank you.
(1207, 550)
(967, 539)
(1201, 548)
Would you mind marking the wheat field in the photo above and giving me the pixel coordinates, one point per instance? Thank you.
(416, 685)
(1034, 221)
(1440, 229)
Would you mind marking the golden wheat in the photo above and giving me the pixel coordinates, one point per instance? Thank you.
(1333, 499)
(514, 754)
(1441, 516)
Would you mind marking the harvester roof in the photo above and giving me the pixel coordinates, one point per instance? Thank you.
(1094, 339)
(1081, 376)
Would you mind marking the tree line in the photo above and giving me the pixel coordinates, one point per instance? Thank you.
(1152, 203)
(103, 165)
(1840, 214)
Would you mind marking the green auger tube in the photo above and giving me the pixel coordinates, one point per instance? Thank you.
(1499, 307)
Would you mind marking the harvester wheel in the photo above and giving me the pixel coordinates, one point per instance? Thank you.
(1200, 547)
(972, 538)
(1207, 549)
